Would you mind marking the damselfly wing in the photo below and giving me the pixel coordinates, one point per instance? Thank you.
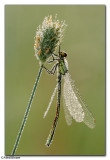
(74, 103)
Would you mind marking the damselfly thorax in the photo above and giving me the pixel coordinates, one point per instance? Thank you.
(62, 66)
(60, 63)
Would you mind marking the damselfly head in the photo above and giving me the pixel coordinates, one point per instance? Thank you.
(63, 54)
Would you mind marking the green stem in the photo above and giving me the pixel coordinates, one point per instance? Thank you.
(26, 113)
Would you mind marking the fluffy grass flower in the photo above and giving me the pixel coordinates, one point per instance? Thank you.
(48, 37)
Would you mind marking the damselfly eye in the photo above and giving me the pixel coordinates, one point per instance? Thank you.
(63, 54)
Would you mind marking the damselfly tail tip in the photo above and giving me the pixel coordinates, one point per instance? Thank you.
(47, 144)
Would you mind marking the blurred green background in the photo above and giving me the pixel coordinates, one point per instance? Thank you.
(84, 41)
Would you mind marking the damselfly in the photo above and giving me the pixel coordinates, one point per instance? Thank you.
(74, 107)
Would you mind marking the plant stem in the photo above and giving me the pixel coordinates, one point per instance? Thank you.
(27, 112)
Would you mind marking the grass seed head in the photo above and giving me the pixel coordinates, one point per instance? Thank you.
(48, 37)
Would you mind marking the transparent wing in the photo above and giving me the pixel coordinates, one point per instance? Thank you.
(68, 117)
(77, 108)
(51, 100)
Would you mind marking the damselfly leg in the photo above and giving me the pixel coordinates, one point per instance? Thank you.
(53, 58)
(52, 71)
